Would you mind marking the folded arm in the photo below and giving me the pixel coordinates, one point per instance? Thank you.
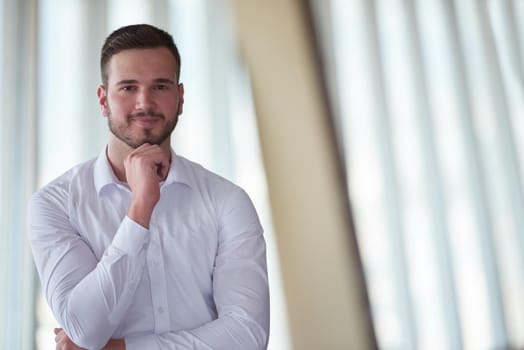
(240, 290)
(88, 298)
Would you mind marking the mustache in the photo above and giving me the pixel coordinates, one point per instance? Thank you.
(146, 114)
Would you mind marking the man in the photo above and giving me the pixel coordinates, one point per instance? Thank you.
(141, 248)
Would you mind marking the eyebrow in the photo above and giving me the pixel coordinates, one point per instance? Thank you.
(157, 80)
(165, 81)
(126, 81)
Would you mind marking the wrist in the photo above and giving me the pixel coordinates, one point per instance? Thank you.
(115, 344)
(140, 212)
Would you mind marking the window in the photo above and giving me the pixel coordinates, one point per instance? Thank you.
(429, 101)
(17, 127)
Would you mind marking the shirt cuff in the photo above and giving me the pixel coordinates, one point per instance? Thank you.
(131, 237)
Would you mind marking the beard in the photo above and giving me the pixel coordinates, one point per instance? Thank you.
(136, 138)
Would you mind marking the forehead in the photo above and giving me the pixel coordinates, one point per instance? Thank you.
(142, 64)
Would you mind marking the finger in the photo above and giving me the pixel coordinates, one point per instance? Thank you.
(160, 160)
(145, 147)
(153, 152)
(148, 149)
(58, 338)
(153, 155)
(57, 330)
(163, 169)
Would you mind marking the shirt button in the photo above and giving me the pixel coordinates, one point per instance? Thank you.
(160, 310)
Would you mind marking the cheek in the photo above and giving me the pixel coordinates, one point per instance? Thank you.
(119, 104)
(172, 104)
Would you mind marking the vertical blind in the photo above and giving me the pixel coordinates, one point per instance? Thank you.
(17, 156)
(429, 103)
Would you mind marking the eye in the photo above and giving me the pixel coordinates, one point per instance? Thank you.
(128, 88)
(161, 87)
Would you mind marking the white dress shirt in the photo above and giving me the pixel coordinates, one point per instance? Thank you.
(196, 279)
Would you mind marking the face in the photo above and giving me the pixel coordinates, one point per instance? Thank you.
(142, 99)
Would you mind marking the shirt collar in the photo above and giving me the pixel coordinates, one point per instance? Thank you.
(104, 175)
(178, 172)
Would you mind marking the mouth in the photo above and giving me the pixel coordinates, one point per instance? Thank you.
(146, 122)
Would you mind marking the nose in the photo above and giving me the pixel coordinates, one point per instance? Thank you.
(144, 100)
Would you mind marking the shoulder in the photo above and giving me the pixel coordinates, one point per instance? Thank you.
(231, 203)
(223, 194)
(57, 192)
(197, 176)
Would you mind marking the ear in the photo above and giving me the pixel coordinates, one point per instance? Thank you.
(102, 100)
(180, 88)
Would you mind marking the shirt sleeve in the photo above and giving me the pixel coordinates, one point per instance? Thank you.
(89, 298)
(240, 289)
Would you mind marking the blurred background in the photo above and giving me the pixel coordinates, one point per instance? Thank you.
(382, 142)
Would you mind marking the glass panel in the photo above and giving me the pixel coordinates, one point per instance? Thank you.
(505, 21)
(431, 102)
(417, 216)
(357, 84)
(3, 184)
(16, 172)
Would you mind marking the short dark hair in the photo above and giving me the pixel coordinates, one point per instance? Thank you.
(136, 36)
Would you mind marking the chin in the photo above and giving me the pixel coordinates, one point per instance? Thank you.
(151, 141)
